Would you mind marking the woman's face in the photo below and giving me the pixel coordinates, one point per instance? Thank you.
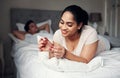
(68, 25)
(33, 28)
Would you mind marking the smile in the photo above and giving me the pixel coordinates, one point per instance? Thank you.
(64, 32)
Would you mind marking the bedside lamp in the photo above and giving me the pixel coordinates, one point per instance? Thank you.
(95, 18)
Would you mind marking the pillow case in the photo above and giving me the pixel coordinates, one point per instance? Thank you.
(20, 26)
(103, 44)
(46, 22)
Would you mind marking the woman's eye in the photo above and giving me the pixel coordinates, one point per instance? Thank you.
(61, 22)
(69, 24)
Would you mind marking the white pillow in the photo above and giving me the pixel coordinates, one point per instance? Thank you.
(115, 42)
(103, 44)
(16, 40)
(45, 22)
(20, 26)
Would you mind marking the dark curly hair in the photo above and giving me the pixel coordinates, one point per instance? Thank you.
(26, 27)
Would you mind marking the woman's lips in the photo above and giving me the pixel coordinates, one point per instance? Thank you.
(64, 32)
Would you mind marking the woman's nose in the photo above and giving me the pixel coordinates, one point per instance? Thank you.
(64, 26)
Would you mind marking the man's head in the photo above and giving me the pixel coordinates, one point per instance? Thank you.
(31, 27)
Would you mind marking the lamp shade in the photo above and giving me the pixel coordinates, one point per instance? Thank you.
(95, 17)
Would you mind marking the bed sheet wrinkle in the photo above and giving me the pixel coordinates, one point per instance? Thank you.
(17, 46)
(23, 45)
(64, 65)
(113, 54)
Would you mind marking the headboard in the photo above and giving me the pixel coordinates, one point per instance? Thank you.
(23, 15)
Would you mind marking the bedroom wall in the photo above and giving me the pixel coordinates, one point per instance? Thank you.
(113, 17)
(5, 5)
(88, 5)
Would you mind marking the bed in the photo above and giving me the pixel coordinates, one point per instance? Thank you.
(31, 63)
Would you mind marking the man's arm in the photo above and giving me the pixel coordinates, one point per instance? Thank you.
(45, 27)
(19, 34)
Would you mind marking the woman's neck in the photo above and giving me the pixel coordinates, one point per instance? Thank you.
(73, 37)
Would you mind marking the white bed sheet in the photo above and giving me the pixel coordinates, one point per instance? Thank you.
(31, 63)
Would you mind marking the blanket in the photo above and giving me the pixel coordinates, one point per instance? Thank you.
(32, 63)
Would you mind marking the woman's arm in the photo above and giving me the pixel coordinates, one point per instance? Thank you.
(56, 50)
(88, 52)
(19, 34)
(45, 27)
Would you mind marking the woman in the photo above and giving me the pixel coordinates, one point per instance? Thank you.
(75, 40)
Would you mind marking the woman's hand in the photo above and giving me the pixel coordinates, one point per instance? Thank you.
(45, 44)
(58, 51)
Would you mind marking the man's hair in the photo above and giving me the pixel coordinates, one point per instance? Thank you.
(26, 27)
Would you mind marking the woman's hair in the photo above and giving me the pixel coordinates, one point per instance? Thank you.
(79, 14)
(26, 27)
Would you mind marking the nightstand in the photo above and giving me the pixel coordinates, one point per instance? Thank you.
(2, 57)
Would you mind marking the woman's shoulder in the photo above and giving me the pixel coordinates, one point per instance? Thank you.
(58, 32)
(89, 34)
(58, 37)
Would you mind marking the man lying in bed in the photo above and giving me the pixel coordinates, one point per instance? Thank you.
(31, 28)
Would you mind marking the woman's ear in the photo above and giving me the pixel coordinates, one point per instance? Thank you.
(80, 25)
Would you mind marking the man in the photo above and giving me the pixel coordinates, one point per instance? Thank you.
(31, 28)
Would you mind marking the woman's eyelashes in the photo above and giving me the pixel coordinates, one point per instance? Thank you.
(61, 22)
(69, 24)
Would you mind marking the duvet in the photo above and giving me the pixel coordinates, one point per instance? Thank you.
(32, 63)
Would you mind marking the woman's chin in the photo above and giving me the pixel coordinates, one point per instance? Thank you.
(64, 35)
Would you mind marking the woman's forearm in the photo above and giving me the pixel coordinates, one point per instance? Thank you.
(70, 56)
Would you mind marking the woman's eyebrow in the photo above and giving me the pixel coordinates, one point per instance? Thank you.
(69, 22)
